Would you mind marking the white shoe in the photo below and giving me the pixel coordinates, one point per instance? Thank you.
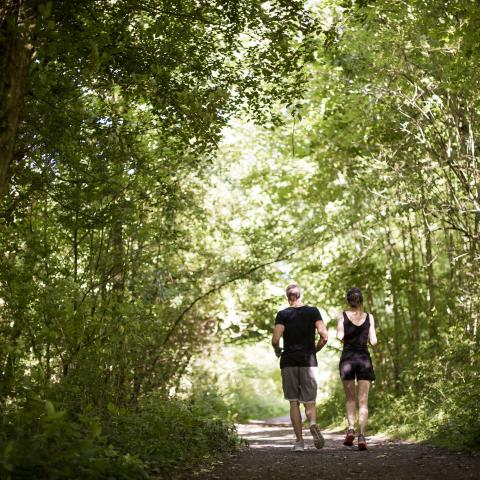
(298, 446)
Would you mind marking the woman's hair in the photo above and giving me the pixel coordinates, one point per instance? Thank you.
(354, 297)
(293, 292)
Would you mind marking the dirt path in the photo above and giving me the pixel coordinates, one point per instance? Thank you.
(269, 456)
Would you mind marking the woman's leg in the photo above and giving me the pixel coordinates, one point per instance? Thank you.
(296, 418)
(349, 387)
(363, 388)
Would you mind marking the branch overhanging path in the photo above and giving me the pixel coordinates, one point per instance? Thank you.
(238, 276)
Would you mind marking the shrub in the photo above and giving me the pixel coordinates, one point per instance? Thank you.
(160, 434)
(439, 399)
(43, 443)
(169, 433)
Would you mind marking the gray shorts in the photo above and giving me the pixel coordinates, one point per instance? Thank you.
(300, 383)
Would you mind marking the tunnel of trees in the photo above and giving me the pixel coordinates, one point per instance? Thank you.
(166, 167)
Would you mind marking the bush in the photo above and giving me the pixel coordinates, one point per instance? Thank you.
(166, 433)
(444, 413)
(440, 402)
(39, 442)
(43, 443)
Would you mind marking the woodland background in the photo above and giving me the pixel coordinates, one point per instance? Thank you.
(167, 167)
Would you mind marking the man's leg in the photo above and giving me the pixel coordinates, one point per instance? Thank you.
(311, 412)
(363, 388)
(308, 395)
(349, 387)
(296, 418)
(291, 390)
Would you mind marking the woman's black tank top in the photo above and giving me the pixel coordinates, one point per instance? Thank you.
(355, 337)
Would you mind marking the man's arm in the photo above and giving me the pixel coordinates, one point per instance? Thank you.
(322, 330)
(340, 330)
(372, 335)
(277, 334)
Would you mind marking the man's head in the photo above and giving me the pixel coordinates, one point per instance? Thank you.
(294, 293)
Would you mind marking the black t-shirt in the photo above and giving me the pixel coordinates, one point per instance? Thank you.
(299, 336)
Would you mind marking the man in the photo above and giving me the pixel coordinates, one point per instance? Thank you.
(298, 361)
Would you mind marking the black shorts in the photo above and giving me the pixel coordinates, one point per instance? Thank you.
(356, 365)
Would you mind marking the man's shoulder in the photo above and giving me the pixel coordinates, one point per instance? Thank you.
(282, 316)
(284, 312)
(313, 313)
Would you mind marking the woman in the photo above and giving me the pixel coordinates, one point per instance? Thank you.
(355, 328)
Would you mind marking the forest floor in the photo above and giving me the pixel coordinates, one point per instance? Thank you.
(269, 456)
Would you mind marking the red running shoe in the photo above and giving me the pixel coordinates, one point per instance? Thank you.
(362, 443)
(349, 438)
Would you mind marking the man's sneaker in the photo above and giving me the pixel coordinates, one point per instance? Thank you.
(298, 446)
(349, 438)
(362, 443)
(318, 440)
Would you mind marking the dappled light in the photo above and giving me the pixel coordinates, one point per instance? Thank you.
(265, 435)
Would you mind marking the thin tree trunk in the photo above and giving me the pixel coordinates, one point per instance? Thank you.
(118, 291)
(393, 300)
(118, 274)
(430, 278)
(410, 302)
(414, 285)
(452, 272)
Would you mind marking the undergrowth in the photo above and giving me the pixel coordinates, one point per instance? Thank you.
(151, 440)
(437, 402)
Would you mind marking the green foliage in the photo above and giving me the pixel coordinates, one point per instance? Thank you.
(110, 261)
(160, 434)
(165, 433)
(255, 399)
(440, 404)
(107, 268)
(45, 443)
(331, 411)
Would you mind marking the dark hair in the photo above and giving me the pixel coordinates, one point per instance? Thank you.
(354, 297)
(293, 292)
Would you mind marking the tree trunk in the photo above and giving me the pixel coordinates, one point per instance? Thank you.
(118, 292)
(393, 301)
(408, 293)
(414, 285)
(15, 57)
(430, 279)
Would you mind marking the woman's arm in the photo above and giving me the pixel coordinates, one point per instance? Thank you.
(372, 336)
(322, 330)
(340, 331)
